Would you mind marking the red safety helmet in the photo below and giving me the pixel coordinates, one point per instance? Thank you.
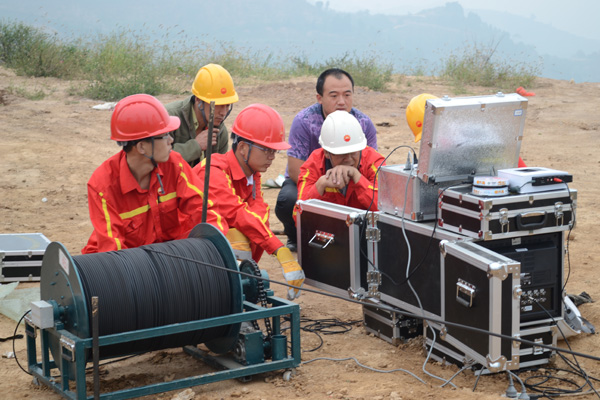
(262, 125)
(140, 116)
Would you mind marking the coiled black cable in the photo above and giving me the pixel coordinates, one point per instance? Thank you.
(145, 288)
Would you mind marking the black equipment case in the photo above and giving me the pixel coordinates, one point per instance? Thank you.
(390, 255)
(330, 248)
(392, 326)
(528, 355)
(490, 218)
(480, 289)
(21, 256)
(542, 267)
(484, 289)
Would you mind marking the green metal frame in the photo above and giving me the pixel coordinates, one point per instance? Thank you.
(73, 352)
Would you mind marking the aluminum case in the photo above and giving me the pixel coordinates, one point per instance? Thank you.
(490, 218)
(330, 248)
(390, 255)
(481, 289)
(542, 268)
(21, 256)
(402, 193)
(526, 355)
(393, 327)
(469, 136)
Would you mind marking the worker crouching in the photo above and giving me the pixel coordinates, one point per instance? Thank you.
(344, 169)
(235, 188)
(145, 193)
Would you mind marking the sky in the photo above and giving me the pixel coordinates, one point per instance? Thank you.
(579, 17)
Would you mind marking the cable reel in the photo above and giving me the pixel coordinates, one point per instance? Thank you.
(145, 287)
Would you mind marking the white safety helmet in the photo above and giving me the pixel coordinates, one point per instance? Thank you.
(341, 133)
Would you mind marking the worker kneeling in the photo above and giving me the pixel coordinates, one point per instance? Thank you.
(235, 188)
(145, 193)
(344, 169)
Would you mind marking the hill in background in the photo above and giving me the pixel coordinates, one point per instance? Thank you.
(412, 43)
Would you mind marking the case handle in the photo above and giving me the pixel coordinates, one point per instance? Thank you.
(531, 225)
(325, 238)
(465, 292)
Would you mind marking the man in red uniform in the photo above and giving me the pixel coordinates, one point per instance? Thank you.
(344, 169)
(145, 193)
(235, 188)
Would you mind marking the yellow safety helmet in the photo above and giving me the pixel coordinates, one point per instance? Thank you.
(213, 83)
(415, 113)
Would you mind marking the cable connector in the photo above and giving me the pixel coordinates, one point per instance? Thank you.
(524, 396)
(408, 165)
(511, 392)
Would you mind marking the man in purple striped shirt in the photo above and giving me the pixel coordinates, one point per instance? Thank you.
(335, 91)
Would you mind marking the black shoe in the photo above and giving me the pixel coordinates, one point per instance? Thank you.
(291, 245)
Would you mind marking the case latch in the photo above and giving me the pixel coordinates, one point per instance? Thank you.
(558, 213)
(504, 220)
(373, 234)
(373, 281)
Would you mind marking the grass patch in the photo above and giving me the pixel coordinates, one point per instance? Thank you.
(35, 94)
(479, 65)
(119, 64)
(33, 52)
(366, 70)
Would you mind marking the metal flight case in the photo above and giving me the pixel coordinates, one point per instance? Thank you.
(333, 248)
(511, 287)
(481, 289)
(402, 193)
(528, 355)
(391, 255)
(542, 267)
(510, 216)
(469, 136)
(330, 248)
(21, 256)
(391, 326)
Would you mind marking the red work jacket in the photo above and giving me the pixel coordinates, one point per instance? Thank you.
(358, 195)
(240, 205)
(124, 215)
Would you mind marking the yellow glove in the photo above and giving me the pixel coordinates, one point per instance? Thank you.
(292, 272)
(240, 244)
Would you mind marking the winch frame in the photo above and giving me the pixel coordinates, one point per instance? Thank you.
(73, 352)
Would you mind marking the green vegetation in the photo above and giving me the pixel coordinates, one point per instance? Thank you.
(35, 94)
(476, 65)
(32, 52)
(116, 65)
(366, 70)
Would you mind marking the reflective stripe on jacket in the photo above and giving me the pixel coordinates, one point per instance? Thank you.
(358, 195)
(241, 205)
(125, 216)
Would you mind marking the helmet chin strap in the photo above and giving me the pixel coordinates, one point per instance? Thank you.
(248, 158)
(155, 164)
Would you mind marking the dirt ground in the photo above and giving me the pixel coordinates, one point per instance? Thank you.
(49, 148)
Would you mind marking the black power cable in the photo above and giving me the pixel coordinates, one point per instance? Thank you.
(575, 366)
(327, 326)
